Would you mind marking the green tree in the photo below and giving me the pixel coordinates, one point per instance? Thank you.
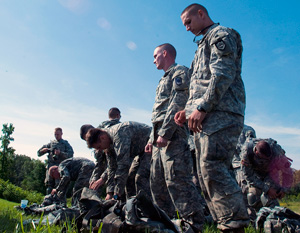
(6, 152)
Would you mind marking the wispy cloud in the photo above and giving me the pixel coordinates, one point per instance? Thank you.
(76, 6)
(131, 45)
(104, 23)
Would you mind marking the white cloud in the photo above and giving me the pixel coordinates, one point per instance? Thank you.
(131, 45)
(76, 6)
(104, 24)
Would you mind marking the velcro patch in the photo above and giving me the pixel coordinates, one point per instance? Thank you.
(178, 81)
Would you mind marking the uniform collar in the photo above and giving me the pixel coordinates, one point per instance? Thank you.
(169, 69)
(209, 28)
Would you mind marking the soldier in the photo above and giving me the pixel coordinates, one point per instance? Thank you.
(58, 150)
(171, 182)
(247, 133)
(263, 163)
(114, 116)
(215, 113)
(74, 169)
(99, 176)
(123, 142)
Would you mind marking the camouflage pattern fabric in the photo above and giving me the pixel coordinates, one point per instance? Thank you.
(247, 133)
(128, 140)
(74, 169)
(109, 123)
(262, 174)
(217, 87)
(100, 167)
(100, 170)
(66, 151)
(171, 182)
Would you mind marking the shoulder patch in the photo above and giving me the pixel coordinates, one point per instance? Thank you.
(178, 81)
(221, 45)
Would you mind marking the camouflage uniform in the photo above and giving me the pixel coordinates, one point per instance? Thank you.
(262, 174)
(128, 140)
(100, 170)
(109, 123)
(216, 86)
(74, 169)
(247, 133)
(66, 151)
(171, 182)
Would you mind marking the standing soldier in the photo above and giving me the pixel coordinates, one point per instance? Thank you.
(215, 113)
(114, 115)
(171, 182)
(58, 150)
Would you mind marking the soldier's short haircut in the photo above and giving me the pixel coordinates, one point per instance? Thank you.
(193, 9)
(114, 113)
(52, 170)
(58, 129)
(84, 129)
(264, 148)
(169, 48)
(92, 136)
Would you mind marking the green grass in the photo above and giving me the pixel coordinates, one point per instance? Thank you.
(11, 219)
(294, 206)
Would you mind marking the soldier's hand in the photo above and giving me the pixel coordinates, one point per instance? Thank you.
(161, 142)
(54, 191)
(44, 150)
(272, 193)
(195, 121)
(56, 151)
(180, 118)
(148, 148)
(97, 184)
(109, 196)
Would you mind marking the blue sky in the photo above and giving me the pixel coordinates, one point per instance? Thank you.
(66, 62)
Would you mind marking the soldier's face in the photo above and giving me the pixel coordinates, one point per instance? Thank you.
(57, 135)
(158, 58)
(193, 22)
(102, 143)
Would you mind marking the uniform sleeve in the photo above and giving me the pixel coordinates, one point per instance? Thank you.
(100, 166)
(222, 67)
(39, 153)
(177, 101)
(68, 152)
(111, 170)
(249, 174)
(122, 146)
(64, 179)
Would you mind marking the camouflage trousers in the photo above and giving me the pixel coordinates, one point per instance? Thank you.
(171, 182)
(222, 194)
(138, 176)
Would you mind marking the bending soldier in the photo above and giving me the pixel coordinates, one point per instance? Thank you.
(74, 169)
(263, 163)
(123, 142)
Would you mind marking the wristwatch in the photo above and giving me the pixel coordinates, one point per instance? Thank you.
(200, 109)
(116, 197)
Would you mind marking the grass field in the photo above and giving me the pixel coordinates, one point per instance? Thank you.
(10, 220)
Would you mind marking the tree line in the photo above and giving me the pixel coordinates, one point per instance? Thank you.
(20, 170)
